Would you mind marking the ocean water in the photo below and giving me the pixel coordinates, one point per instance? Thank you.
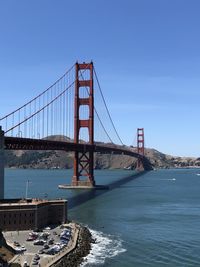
(143, 220)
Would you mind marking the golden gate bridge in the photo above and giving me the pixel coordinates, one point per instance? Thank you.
(64, 117)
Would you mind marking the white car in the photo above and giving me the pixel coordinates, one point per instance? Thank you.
(56, 248)
(23, 248)
(18, 250)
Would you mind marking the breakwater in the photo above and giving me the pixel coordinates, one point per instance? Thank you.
(82, 249)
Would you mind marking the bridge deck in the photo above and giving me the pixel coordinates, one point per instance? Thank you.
(18, 143)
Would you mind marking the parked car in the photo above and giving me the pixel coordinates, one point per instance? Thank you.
(50, 251)
(36, 257)
(44, 235)
(51, 242)
(46, 246)
(66, 237)
(23, 248)
(16, 244)
(62, 245)
(56, 248)
(33, 234)
(18, 250)
(64, 241)
(39, 242)
(41, 251)
(35, 262)
(30, 239)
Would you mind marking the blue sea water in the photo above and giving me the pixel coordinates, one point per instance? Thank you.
(147, 220)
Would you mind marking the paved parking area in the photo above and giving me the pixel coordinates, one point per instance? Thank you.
(31, 249)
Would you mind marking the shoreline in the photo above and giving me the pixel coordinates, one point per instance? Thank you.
(109, 169)
(83, 246)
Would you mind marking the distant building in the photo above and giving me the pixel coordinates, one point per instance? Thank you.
(25, 214)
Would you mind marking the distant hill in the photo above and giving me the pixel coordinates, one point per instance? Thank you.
(64, 160)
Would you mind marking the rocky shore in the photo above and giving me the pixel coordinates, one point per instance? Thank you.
(6, 252)
(75, 257)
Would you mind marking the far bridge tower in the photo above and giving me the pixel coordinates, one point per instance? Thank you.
(140, 148)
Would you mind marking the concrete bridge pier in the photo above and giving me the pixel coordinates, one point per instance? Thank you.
(1, 163)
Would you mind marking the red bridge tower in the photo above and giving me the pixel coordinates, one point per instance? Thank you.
(140, 148)
(83, 161)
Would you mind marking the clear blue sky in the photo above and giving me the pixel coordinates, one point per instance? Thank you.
(146, 52)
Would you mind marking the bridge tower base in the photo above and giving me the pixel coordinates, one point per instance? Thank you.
(1, 163)
(83, 160)
(140, 149)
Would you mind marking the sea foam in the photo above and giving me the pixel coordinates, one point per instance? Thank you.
(105, 246)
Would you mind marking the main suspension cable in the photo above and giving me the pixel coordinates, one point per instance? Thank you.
(41, 109)
(38, 96)
(107, 107)
(98, 114)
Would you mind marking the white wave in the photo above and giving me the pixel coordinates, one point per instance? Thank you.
(105, 246)
(165, 179)
(168, 179)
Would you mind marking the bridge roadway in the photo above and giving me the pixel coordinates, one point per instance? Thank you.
(19, 143)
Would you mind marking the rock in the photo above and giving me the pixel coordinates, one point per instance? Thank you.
(74, 258)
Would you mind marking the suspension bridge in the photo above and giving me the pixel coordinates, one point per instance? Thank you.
(65, 117)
